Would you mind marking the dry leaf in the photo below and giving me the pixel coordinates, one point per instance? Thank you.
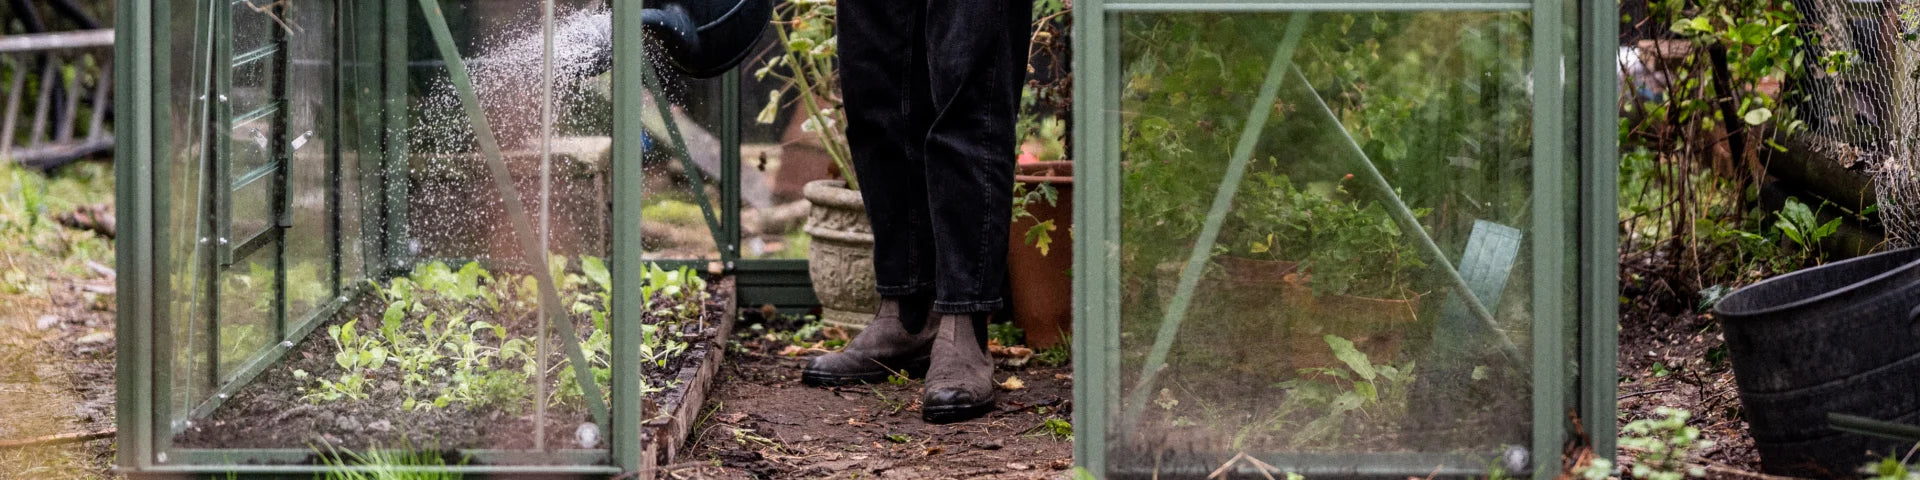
(1012, 383)
(1018, 356)
(833, 333)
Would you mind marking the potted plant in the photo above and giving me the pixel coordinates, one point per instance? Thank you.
(1340, 265)
(1038, 262)
(840, 257)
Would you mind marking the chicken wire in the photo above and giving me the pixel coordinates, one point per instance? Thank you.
(1866, 111)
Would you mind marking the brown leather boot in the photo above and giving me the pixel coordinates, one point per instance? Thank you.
(883, 347)
(960, 381)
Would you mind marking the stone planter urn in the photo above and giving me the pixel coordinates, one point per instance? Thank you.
(840, 259)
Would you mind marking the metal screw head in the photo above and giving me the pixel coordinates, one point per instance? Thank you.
(223, 396)
(286, 344)
(160, 457)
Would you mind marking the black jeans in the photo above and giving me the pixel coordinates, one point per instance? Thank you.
(931, 90)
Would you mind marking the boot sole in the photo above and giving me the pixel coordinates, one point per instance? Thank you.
(915, 369)
(955, 413)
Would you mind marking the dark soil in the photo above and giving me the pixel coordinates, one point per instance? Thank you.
(1673, 355)
(761, 422)
(270, 413)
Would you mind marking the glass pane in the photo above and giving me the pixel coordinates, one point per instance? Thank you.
(254, 27)
(253, 84)
(252, 147)
(447, 347)
(310, 136)
(180, 180)
(252, 210)
(1316, 325)
(673, 225)
(777, 159)
(247, 298)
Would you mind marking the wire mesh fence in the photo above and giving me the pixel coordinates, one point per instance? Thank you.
(1864, 110)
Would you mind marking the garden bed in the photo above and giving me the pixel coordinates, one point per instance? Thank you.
(443, 358)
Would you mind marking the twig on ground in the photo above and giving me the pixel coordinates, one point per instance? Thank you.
(1258, 466)
(1648, 392)
(58, 439)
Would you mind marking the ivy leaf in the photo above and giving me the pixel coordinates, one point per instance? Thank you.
(1343, 349)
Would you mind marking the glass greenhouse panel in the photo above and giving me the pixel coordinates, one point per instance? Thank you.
(1337, 242)
(1311, 322)
(392, 225)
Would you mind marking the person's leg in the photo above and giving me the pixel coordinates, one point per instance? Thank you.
(976, 59)
(883, 79)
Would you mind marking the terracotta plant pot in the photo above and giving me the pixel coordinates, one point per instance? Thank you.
(1041, 290)
(1277, 290)
(840, 259)
(1374, 325)
(803, 159)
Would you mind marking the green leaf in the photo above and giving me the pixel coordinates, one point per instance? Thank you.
(596, 271)
(344, 359)
(1758, 116)
(1040, 236)
(1343, 350)
(1367, 391)
(390, 321)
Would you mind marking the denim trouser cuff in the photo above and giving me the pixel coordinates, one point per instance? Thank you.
(905, 290)
(968, 307)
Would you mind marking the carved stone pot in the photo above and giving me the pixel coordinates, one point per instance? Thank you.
(840, 259)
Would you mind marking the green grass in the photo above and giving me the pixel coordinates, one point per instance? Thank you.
(378, 464)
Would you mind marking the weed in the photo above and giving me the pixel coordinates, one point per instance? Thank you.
(1361, 388)
(1007, 334)
(1056, 427)
(1892, 468)
(1057, 355)
(1664, 444)
(893, 406)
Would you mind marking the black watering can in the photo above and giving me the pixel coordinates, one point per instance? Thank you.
(701, 38)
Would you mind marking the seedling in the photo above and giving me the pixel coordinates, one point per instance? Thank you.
(1664, 443)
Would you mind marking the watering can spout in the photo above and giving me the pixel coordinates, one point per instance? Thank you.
(705, 38)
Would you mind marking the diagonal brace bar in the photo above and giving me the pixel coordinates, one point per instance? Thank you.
(516, 211)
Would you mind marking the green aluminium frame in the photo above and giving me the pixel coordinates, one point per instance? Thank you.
(1573, 49)
(367, 113)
